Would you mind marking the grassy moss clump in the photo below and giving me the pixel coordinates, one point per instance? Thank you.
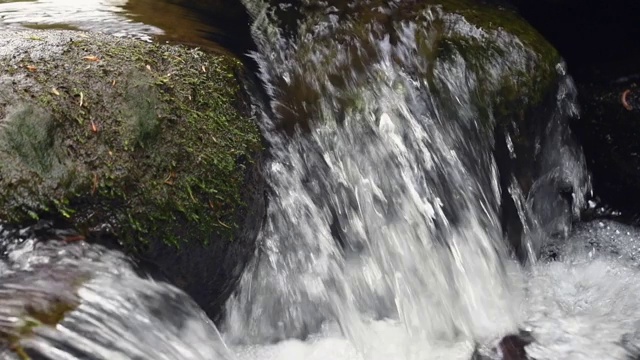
(153, 140)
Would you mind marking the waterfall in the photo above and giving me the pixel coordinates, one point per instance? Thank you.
(385, 192)
(422, 184)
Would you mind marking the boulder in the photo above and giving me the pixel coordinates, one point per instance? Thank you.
(518, 83)
(150, 144)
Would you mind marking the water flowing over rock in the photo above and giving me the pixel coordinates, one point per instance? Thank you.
(400, 132)
(76, 300)
(422, 182)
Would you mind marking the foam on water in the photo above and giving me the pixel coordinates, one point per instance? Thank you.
(584, 304)
(581, 301)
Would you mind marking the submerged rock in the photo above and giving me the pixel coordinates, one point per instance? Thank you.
(151, 144)
(510, 347)
(61, 300)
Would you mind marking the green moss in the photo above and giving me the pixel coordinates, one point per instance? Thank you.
(27, 135)
(139, 112)
(157, 141)
(513, 66)
(520, 87)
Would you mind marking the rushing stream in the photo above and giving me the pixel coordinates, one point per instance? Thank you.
(383, 237)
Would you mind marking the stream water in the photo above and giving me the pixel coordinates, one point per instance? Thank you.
(383, 237)
(147, 20)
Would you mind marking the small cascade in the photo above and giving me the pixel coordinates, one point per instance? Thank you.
(386, 193)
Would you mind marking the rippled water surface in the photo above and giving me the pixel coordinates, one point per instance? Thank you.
(142, 19)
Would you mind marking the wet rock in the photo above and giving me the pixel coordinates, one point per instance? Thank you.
(519, 74)
(510, 347)
(609, 129)
(152, 145)
(81, 300)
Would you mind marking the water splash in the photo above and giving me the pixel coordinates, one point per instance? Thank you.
(385, 192)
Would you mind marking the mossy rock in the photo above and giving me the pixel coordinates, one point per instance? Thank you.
(514, 65)
(93, 125)
(487, 72)
(151, 143)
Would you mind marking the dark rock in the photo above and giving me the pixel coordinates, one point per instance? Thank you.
(516, 101)
(510, 347)
(609, 130)
(598, 39)
(152, 145)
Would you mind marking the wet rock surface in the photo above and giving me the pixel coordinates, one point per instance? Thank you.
(515, 120)
(510, 347)
(72, 299)
(149, 144)
(598, 39)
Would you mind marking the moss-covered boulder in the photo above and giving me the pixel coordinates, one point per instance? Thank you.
(462, 55)
(514, 64)
(154, 144)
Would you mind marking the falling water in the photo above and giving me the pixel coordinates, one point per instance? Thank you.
(386, 196)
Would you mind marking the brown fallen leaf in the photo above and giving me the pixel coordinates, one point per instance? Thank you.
(92, 58)
(31, 68)
(73, 238)
(96, 183)
(625, 104)
(94, 127)
(170, 178)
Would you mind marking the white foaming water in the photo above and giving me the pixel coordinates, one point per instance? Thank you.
(580, 302)
(585, 304)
